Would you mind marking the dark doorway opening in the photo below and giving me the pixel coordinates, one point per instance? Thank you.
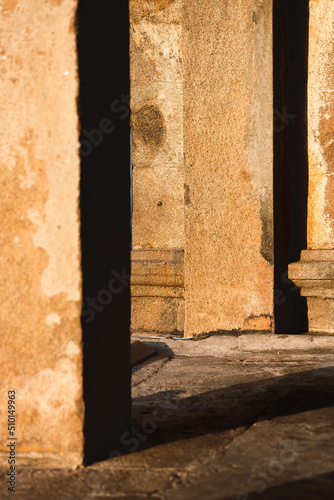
(291, 25)
(103, 52)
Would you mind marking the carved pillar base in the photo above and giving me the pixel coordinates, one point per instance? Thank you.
(314, 275)
(157, 290)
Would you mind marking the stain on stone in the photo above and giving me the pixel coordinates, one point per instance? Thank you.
(163, 4)
(56, 3)
(17, 201)
(168, 315)
(255, 18)
(142, 66)
(264, 322)
(325, 141)
(80, 406)
(326, 126)
(158, 4)
(262, 9)
(326, 135)
(9, 5)
(245, 175)
(73, 26)
(267, 237)
(186, 195)
(148, 123)
(149, 10)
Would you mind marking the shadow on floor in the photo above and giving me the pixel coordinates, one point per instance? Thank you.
(167, 416)
(319, 487)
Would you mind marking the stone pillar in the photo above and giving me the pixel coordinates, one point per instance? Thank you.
(314, 274)
(157, 286)
(40, 279)
(228, 149)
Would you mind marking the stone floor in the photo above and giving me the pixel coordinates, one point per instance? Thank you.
(250, 426)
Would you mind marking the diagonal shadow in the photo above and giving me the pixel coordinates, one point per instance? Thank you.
(240, 405)
(320, 487)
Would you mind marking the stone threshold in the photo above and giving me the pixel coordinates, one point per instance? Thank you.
(233, 344)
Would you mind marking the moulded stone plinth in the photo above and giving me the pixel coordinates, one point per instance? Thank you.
(314, 275)
(320, 315)
(157, 290)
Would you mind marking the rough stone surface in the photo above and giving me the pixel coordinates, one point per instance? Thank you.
(315, 272)
(157, 156)
(220, 208)
(314, 275)
(156, 119)
(39, 232)
(156, 122)
(227, 71)
(320, 126)
(308, 270)
(155, 40)
(155, 313)
(246, 428)
(157, 290)
(320, 315)
(157, 267)
(158, 217)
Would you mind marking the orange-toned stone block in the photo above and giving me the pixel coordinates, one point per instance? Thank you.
(40, 284)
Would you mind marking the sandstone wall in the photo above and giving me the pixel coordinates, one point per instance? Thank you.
(202, 122)
(40, 282)
(314, 274)
(228, 127)
(157, 158)
(320, 130)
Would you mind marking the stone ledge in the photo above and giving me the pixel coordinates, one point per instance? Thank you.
(316, 288)
(314, 275)
(157, 268)
(237, 344)
(156, 291)
(173, 256)
(317, 255)
(311, 270)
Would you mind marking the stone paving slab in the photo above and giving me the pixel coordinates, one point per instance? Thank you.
(229, 428)
(228, 344)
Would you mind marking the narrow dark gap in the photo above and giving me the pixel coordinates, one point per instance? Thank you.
(103, 54)
(290, 24)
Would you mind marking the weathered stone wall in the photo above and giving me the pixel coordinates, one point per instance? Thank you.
(314, 274)
(158, 174)
(156, 106)
(228, 127)
(320, 126)
(40, 283)
(210, 105)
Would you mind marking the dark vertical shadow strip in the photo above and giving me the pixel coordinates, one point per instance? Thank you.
(103, 53)
(291, 24)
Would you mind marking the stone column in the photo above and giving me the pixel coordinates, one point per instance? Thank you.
(157, 289)
(228, 137)
(314, 274)
(40, 277)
